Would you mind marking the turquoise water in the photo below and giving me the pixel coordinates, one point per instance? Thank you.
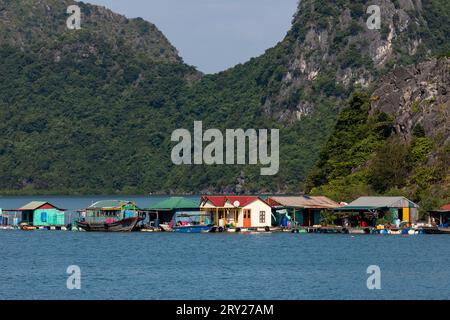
(222, 266)
(216, 266)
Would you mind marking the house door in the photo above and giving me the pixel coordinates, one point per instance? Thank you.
(247, 218)
(307, 218)
(406, 215)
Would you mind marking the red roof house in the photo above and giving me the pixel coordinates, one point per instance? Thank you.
(237, 211)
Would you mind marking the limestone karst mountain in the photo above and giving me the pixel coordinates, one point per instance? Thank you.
(92, 110)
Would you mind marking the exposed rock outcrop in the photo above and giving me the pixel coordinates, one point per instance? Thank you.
(417, 95)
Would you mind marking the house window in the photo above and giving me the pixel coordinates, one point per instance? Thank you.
(262, 217)
(44, 216)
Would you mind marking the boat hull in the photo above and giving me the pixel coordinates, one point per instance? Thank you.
(444, 230)
(435, 230)
(125, 225)
(192, 229)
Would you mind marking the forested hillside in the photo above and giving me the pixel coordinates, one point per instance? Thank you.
(92, 110)
(394, 141)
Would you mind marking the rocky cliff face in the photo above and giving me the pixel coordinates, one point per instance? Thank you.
(417, 95)
(331, 50)
(395, 140)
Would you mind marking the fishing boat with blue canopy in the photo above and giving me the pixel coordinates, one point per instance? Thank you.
(192, 222)
(179, 214)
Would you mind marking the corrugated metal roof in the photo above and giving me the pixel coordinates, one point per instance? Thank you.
(383, 202)
(309, 202)
(446, 207)
(175, 203)
(110, 204)
(33, 205)
(353, 208)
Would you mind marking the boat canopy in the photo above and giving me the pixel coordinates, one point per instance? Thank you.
(110, 204)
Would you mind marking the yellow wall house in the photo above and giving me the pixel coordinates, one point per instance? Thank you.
(237, 211)
(399, 207)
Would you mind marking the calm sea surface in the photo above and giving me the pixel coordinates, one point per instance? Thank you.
(218, 266)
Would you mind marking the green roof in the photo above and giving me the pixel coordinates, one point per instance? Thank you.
(174, 203)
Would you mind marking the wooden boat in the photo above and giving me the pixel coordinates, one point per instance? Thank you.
(444, 230)
(435, 230)
(110, 216)
(26, 227)
(124, 225)
(430, 230)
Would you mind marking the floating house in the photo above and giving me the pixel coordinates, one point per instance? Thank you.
(441, 216)
(111, 216)
(368, 209)
(35, 213)
(237, 211)
(168, 210)
(292, 211)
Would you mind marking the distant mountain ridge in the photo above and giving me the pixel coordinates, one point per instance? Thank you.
(26, 23)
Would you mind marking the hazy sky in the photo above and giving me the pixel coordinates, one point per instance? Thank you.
(213, 35)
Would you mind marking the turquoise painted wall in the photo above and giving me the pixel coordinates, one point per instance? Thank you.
(300, 217)
(316, 217)
(48, 217)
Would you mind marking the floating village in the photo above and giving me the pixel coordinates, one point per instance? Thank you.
(235, 214)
